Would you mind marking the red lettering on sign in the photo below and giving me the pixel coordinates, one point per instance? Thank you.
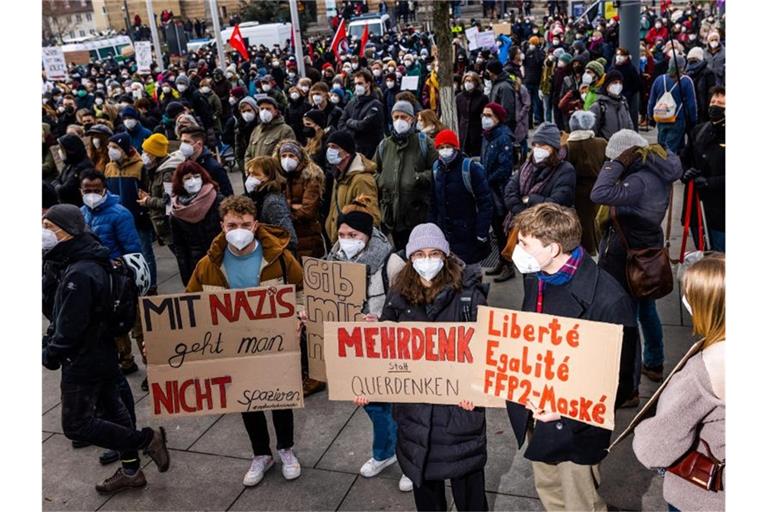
(352, 340)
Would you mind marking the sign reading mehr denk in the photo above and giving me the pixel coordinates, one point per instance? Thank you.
(417, 362)
(559, 364)
(222, 352)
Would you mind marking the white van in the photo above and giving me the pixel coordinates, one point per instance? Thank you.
(378, 25)
(268, 34)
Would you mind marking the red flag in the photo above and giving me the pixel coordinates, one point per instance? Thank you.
(363, 41)
(341, 34)
(236, 42)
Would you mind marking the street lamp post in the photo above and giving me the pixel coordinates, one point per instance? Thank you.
(217, 32)
(297, 38)
(155, 37)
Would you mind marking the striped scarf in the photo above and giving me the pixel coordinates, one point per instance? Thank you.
(559, 278)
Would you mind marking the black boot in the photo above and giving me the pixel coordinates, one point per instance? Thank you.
(497, 269)
(507, 274)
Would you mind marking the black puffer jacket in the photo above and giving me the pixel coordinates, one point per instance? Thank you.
(191, 241)
(75, 293)
(67, 184)
(364, 117)
(437, 442)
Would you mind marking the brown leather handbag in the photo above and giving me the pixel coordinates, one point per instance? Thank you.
(702, 470)
(648, 270)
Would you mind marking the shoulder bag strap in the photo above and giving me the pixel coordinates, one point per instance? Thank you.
(669, 216)
(617, 227)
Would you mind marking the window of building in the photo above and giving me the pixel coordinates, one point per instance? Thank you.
(71, 34)
(69, 19)
(78, 18)
(104, 10)
(82, 33)
(93, 31)
(88, 17)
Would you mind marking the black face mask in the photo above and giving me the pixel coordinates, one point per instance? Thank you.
(309, 131)
(716, 114)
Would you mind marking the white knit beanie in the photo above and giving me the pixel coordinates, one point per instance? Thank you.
(623, 140)
(426, 236)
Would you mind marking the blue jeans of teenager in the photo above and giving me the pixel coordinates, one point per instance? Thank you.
(147, 236)
(671, 136)
(384, 430)
(653, 336)
(547, 109)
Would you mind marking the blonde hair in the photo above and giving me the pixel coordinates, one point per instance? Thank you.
(704, 288)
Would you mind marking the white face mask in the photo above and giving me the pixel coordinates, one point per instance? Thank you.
(96, 142)
(49, 239)
(390, 84)
(115, 154)
(187, 149)
(469, 86)
(333, 157)
(266, 87)
(377, 73)
(317, 98)
(240, 238)
(251, 183)
(334, 99)
(687, 305)
(401, 125)
(193, 185)
(295, 96)
(130, 123)
(181, 88)
(587, 79)
(427, 268)
(289, 164)
(446, 153)
(351, 246)
(359, 89)
(615, 89)
(620, 59)
(166, 90)
(248, 116)
(540, 154)
(265, 116)
(232, 101)
(93, 200)
(714, 44)
(205, 89)
(524, 261)
(487, 123)
(148, 160)
(98, 101)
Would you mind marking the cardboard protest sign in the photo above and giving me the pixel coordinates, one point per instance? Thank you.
(502, 29)
(407, 362)
(409, 83)
(486, 39)
(143, 56)
(334, 291)
(560, 364)
(54, 64)
(222, 352)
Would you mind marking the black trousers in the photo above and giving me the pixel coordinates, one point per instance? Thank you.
(468, 493)
(256, 425)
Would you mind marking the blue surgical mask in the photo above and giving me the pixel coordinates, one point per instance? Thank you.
(333, 157)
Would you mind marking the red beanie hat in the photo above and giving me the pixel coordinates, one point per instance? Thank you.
(447, 137)
(327, 65)
(498, 111)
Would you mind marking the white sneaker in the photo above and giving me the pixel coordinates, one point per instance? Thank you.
(291, 466)
(405, 484)
(259, 466)
(373, 467)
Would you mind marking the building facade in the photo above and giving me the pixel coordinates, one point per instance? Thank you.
(68, 20)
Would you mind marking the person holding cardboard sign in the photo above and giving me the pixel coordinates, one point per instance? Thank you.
(562, 281)
(438, 442)
(248, 254)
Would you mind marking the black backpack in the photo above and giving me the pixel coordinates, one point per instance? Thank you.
(121, 311)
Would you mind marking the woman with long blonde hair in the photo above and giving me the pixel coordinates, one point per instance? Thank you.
(690, 413)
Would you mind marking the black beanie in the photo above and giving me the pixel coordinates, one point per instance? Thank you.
(357, 220)
(317, 116)
(68, 217)
(344, 140)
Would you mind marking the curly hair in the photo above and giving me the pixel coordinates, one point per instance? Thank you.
(237, 205)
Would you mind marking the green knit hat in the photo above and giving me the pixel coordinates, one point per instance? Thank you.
(566, 57)
(597, 68)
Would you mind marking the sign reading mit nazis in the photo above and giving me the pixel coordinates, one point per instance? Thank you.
(222, 352)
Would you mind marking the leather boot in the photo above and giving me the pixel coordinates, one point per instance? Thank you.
(506, 274)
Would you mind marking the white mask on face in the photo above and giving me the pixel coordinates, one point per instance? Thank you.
(487, 123)
(266, 87)
(248, 116)
(351, 247)
(115, 155)
(98, 101)
(377, 72)
(540, 154)
(334, 99)
(390, 84)
(317, 98)
(265, 116)
(469, 86)
(687, 305)
(615, 89)
(240, 238)
(49, 239)
(295, 96)
(401, 126)
(146, 159)
(232, 101)
(714, 44)
(251, 183)
(93, 200)
(524, 261)
(428, 268)
(187, 149)
(181, 88)
(333, 157)
(289, 164)
(359, 89)
(166, 90)
(587, 79)
(620, 59)
(130, 123)
(193, 185)
(446, 153)
(96, 142)
(205, 89)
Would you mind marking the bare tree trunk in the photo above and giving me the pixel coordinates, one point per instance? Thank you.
(444, 41)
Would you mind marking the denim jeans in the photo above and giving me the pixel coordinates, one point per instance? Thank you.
(653, 336)
(384, 430)
(547, 109)
(537, 111)
(146, 236)
(113, 428)
(671, 136)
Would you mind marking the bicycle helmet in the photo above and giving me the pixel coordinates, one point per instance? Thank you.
(138, 264)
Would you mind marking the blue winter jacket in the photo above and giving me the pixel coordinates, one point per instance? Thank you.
(138, 135)
(686, 88)
(497, 157)
(113, 224)
(463, 216)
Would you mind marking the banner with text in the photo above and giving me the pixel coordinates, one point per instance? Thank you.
(558, 364)
(334, 291)
(222, 352)
(143, 56)
(416, 362)
(54, 64)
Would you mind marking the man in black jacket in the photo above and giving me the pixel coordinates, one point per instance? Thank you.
(565, 452)
(194, 137)
(76, 162)
(364, 115)
(76, 298)
(196, 100)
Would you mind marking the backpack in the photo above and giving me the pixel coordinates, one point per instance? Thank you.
(120, 314)
(665, 109)
(466, 175)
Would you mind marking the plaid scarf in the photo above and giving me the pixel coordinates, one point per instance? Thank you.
(559, 278)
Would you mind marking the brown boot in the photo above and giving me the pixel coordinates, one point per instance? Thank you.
(120, 481)
(157, 449)
(312, 386)
(506, 274)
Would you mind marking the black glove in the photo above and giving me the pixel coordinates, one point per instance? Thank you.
(690, 174)
(701, 182)
(50, 362)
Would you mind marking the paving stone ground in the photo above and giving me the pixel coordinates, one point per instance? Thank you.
(210, 454)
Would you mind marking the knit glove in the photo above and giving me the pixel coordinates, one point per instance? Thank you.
(628, 157)
(690, 174)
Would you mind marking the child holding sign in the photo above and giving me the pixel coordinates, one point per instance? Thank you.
(562, 281)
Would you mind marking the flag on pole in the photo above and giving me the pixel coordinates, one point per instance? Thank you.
(236, 42)
(363, 41)
(341, 35)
